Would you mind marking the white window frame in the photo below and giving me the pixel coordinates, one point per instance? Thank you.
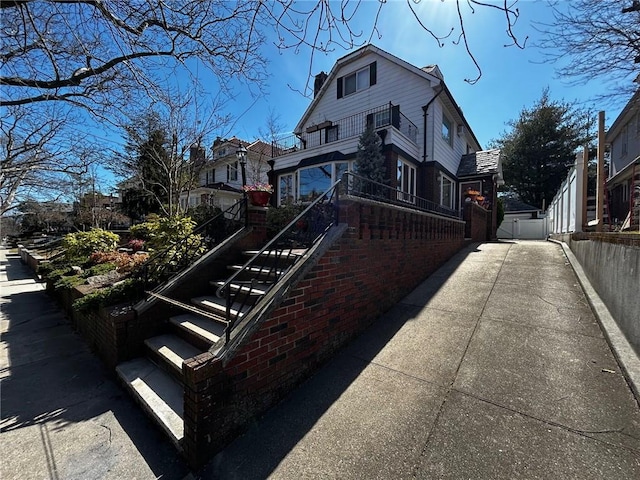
(406, 181)
(232, 172)
(297, 176)
(452, 194)
(292, 184)
(361, 79)
(448, 123)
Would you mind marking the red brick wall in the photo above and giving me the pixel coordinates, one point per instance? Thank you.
(382, 256)
(477, 222)
(104, 330)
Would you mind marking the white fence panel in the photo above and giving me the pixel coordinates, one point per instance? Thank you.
(565, 210)
(524, 229)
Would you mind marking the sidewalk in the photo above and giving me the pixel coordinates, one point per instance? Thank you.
(62, 415)
(494, 368)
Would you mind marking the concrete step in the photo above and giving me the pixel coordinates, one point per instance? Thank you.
(160, 395)
(203, 328)
(259, 288)
(218, 306)
(258, 270)
(172, 350)
(292, 252)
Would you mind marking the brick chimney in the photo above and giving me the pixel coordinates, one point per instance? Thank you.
(319, 81)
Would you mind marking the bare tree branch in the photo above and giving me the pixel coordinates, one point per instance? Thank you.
(594, 40)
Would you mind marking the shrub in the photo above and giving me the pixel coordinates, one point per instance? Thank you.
(68, 281)
(202, 213)
(136, 244)
(122, 262)
(120, 292)
(161, 232)
(83, 244)
(278, 218)
(500, 212)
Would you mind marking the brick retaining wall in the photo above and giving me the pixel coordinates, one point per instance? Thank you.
(477, 222)
(382, 256)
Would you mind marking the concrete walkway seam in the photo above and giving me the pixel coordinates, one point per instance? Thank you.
(622, 349)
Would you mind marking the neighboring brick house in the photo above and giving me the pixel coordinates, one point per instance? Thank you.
(623, 139)
(220, 179)
(424, 132)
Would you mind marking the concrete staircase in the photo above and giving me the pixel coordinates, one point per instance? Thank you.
(156, 380)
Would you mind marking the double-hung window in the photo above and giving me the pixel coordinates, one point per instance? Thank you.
(359, 80)
(382, 118)
(356, 81)
(232, 172)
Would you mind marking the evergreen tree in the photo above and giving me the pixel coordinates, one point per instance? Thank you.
(370, 162)
(541, 146)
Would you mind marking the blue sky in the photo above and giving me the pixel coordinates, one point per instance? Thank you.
(511, 78)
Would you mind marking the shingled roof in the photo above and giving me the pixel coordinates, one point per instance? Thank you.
(485, 162)
(514, 205)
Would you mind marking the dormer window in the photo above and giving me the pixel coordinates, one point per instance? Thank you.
(357, 81)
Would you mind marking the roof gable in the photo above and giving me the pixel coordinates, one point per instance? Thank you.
(512, 204)
(429, 74)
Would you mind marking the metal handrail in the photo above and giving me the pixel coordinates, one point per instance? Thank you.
(178, 256)
(358, 186)
(303, 232)
(283, 251)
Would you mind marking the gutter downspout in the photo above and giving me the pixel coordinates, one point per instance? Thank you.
(424, 122)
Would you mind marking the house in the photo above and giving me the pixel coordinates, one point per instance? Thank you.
(623, 139)
(426, 138)
(220, 180)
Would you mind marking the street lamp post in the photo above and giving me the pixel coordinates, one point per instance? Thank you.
(241, 154)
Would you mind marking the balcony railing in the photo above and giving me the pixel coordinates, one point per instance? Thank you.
(348, 127)
(358, 186)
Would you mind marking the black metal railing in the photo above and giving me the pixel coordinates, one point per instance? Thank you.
(181, 254)
(50, 250)
(348, 127)
(262, 271)
(355, 185)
